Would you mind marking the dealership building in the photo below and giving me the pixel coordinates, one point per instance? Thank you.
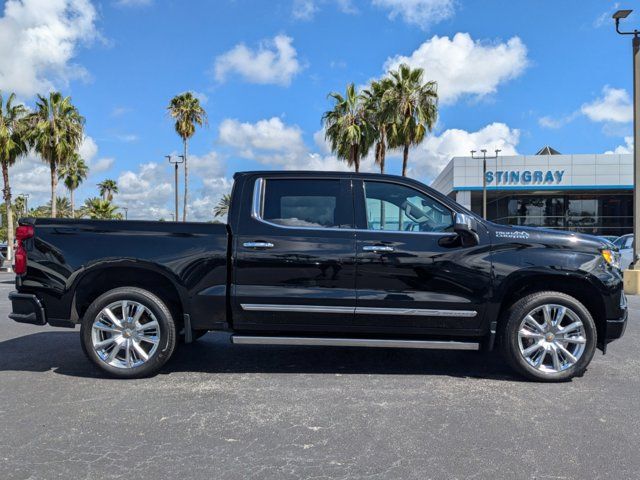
(584, 193)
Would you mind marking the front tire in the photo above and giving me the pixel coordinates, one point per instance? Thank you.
(548, 336)
(128, 332)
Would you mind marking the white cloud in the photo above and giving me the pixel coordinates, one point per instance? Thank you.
(207, 166)
(626, 148)
(88, 148)
(274, 62)
(557, 122)
(30, 175)
(102, 165)
(422, 13)
(127, 137)
(304, 9)
(277, 145)
(605, 17)
(321, 141)
(88, 151)
(38, 41)
(204, 99)
(614, 106)
(428, 159)
(268, 141)
(147, 192)
(462, 66)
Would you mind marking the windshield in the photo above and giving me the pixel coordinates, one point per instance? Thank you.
(619, 242)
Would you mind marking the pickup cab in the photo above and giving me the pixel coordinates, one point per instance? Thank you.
(311, 258)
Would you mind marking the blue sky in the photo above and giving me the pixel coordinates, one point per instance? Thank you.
(514, 75)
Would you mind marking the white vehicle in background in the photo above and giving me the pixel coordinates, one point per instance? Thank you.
(625, 245)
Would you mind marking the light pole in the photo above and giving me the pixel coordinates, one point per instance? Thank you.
(175, 163)
(126, 212)
(635, 264)
(484, 176)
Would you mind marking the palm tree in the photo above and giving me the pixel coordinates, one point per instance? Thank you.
(20, 205)
(73, 173)
(222, 208)
(63, 207)
(187, 112)
(98, 208)
(56, 133)
(12, 145)
(347, 127)
(107, 188)
(379, 116)
(415, 109)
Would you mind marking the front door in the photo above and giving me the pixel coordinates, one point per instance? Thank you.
(294, 265)
(411, 276)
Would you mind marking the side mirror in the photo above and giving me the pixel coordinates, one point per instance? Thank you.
(467, 229)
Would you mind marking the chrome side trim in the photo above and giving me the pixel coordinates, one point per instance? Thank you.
(263, 307)
(254, 307)
(417, 312)
(354, 342)
(256, 207)
(257, 245)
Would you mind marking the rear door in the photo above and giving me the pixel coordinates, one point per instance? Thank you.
(412, 276)
(294, 265)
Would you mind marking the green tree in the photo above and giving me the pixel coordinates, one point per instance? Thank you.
(107, 188)
(73, 172)
(187, 112)
(379, 116)
(98, 208)
(414, 107)
(20, 206)
(56, 132)
(347, 127)
(222, 208)
(63, 208)
(12, 146)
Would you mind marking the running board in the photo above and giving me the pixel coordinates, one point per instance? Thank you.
(353, 342)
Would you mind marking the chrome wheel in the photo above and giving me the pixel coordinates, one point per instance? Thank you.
(551, 338)
(125, 334)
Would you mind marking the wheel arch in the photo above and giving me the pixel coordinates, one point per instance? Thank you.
(96, 280)
(579, 285)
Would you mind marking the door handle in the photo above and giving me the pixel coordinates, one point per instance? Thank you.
(257, 244)
(377, 248)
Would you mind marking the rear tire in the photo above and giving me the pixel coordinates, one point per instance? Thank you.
(548, 336)
(128, 332)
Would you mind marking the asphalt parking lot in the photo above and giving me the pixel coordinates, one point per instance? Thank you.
(220, 411)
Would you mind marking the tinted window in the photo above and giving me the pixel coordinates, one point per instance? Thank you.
(304, 203)
(396, 207)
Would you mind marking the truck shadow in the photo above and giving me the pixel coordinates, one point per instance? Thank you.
(61, 352)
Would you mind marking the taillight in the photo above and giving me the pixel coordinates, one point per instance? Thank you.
(23, 232)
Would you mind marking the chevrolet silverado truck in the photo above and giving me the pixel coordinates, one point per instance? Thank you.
(327, 259)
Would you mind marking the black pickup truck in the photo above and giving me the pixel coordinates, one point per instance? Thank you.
(310, 258)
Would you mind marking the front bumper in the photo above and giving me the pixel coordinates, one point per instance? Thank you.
(614, 328)
(27, 308)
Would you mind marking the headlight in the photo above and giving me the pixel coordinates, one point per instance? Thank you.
(611, 257)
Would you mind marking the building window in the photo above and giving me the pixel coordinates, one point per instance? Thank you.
(598, 213)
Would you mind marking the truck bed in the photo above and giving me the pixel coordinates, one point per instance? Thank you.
(190, 258)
